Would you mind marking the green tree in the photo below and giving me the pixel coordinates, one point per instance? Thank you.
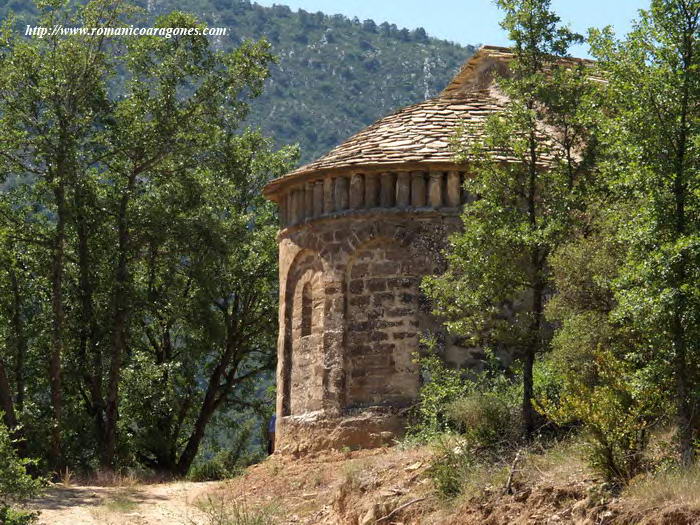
(652, 149)
(209, 291)
(51, 91)
(610, 380)
(166, 268)
(530, 165)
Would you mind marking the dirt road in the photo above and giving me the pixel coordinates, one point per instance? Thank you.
(167, 503)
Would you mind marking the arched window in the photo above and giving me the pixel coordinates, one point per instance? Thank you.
(306, 310)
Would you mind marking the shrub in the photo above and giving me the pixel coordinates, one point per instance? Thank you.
(224, 465)
(221, 511)
(486, 419)
(450, 468)
(457, 471)
(229, 463)
(16, 485)
(442, 387)
(10, 516)
(616, 410)
(483, 406)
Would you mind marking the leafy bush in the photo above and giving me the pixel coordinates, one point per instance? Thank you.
(456, 471)
(616, 410)
(486, 419)
(226, 464)
(482, 406)
(16, 485)
(442, 387)
(474, 421)
(450, 468)
(10, 516)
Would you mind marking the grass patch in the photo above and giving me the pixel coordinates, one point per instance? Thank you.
(353, 472)
(557, 463)
(457, 471)
(671, 487)
(121, 502)
(222, 511)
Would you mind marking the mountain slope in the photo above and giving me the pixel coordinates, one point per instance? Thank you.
(334, 75)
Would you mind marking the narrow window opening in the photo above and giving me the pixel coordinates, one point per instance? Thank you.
(306, 310)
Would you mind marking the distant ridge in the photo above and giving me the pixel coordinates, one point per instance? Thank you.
(335, 75)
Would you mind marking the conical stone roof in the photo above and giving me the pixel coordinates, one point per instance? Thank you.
(418, 136)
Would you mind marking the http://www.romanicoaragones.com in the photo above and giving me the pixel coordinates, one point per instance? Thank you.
(165, 32)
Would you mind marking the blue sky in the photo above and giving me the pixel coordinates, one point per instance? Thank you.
(472, 21)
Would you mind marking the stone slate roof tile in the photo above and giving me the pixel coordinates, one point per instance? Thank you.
(422, 132)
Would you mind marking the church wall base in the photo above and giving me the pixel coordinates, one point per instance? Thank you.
(366, 428)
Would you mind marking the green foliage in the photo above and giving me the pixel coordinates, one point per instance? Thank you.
(442, 387)
(493, 291)
(486, 419)
(606, 387)
(450, 469)
(16, 485)
(221, 466)
(617, 410)
(651, 139)
(456, 471)
(137, 239)
(227, 463)
(480, 407)
(627, 297)
(10, 516)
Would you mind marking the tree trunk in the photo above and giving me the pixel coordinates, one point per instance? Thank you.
(88, 331)
(212, 399)
(6, 403)
(20, 341)
(120, 321)
(206, 412)
(680, 267)
(57, 263)
(533, 342)
(678, 330)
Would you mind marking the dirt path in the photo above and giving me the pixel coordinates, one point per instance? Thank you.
(167, 503)
(328, 489)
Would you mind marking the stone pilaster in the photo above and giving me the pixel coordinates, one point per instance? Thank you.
(283, 211)
(296, 206)
(388, 190)
(403, 189)
(341, 193)
(308, 200)
(328, 201)
(318, 198)
(417, 189)
(454, 189)
(334, 344)
(371, 190)
(357, 191)
(435, 189)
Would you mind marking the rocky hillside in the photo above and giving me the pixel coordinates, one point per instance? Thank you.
(334, 76)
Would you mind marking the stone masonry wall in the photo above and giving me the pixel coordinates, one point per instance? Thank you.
(383, 325)
(350, 320)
